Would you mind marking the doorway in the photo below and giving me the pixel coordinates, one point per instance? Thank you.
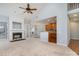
(74, 32)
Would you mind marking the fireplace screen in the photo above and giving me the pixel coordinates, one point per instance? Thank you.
(17, 36)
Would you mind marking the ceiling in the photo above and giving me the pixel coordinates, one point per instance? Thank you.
(49, 20)
(74, 17)
(8, 8)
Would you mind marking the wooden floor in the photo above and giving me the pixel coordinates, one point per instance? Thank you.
(74, 45)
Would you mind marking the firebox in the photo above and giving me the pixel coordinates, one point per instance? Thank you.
(17, 36)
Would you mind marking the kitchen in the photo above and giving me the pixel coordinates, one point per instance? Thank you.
(49, 35)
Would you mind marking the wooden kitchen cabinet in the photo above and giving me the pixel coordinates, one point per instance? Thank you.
(52, 37)
(51, 27)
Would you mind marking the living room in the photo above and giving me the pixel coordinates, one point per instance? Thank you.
(23, 26)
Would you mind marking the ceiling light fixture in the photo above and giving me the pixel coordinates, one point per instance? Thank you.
(28, 9)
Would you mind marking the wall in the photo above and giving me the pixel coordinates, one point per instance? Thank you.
(4, 21)
(73, 11)
(11, 9)
(59, 10)
(4, 18)
(39, 28)
(74, 26)
(74, 30)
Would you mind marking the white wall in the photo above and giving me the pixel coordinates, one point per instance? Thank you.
(74, 26)
(11, 9)
(4, 19)
(74, 30)
(40, 27)
(59, 10)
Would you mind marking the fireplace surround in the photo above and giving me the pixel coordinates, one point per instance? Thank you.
(16, 28)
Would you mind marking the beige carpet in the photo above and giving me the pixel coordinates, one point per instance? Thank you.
(35, 47)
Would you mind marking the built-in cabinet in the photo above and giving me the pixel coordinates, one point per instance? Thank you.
(52, 37)
(51, 29)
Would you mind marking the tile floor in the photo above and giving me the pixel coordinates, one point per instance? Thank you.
(34, 47)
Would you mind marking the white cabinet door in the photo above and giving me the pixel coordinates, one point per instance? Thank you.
(44, 36)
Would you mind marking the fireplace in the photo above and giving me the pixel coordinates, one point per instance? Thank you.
(17, 36)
